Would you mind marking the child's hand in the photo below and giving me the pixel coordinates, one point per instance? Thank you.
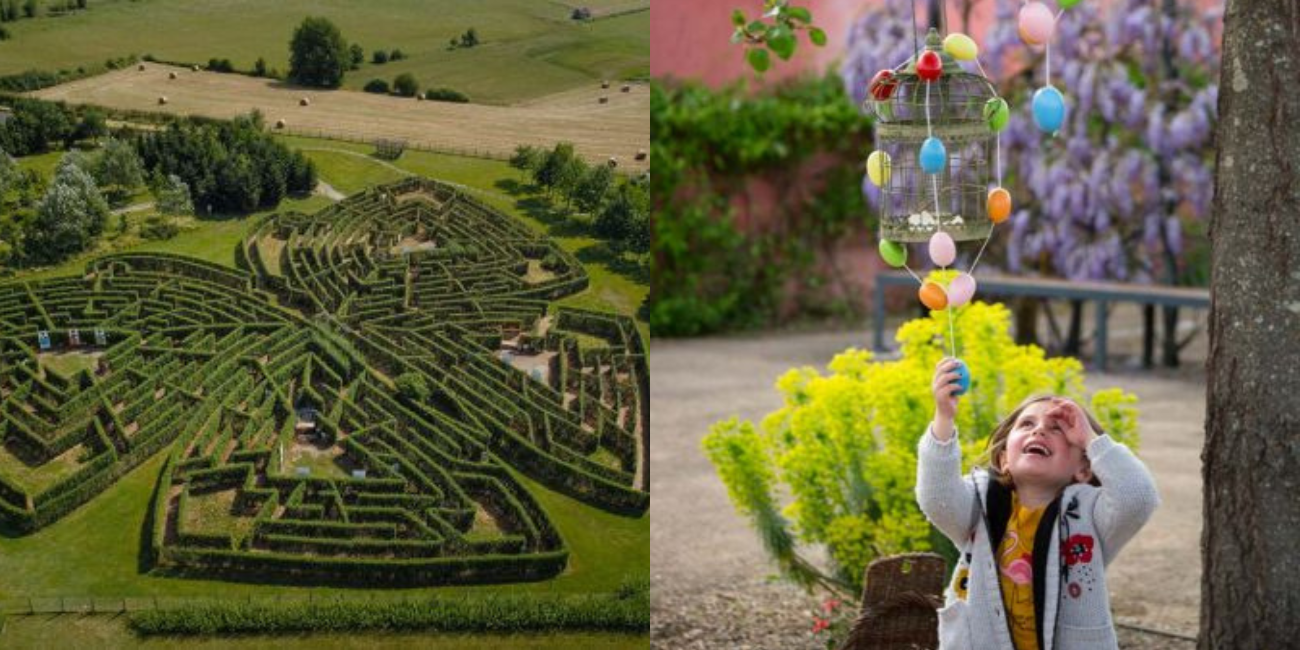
(945, 402)
(1074, 424)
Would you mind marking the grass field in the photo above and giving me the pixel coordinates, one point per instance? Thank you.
(527, 49)
(618, 128)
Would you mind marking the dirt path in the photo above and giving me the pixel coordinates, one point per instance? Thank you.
(326, 190)
(709, 570)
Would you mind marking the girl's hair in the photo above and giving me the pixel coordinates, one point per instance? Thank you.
(997, 443)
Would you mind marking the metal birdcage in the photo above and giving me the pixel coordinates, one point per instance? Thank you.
(909, 211)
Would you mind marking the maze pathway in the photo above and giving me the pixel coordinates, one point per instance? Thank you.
(343, 408)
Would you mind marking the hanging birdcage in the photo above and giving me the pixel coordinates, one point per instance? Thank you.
(915, 204)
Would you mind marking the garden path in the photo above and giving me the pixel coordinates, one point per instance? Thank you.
(709, 574)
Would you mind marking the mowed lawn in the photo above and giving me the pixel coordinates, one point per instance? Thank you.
(528, 48)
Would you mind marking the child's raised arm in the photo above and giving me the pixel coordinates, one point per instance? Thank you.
(1128, 492)
(947, 499)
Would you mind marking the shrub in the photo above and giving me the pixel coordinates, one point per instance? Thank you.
(406, 85)
(445, 95)
(844, 445)
(220, 65)
(259, 67)
(158, 227)
(357, 55)
(396, 55)
(581, 13)
(4, 34)
(376, 86)
(379, 57)
(413, 386)
(318, 55)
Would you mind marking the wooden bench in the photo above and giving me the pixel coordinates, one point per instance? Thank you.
(1102, 293)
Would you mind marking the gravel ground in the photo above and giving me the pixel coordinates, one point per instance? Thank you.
(711, 581)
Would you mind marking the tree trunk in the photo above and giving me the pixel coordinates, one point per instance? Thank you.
(1250, 586)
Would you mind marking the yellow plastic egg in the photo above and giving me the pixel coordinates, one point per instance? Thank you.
(878, 168)
(961, 47)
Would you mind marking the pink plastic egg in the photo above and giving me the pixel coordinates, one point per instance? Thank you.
(961, 290)
(943, 250)
(1036, 23)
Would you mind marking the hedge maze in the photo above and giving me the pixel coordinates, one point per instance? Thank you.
(296, 449)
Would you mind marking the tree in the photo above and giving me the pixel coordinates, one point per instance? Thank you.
(413, 386)
(8, 174)
(469, 38)
(406, 85)
(259, 67)
(624, 222)
(527, 158)
(118, 168)
(92, 126)
(570, 177)
(396, 55)
(34, 126)
(1250, 592)
(376, 86)
(68, 218)
(379, 57)
(594, 186)
(358, 56)
(174, 197)
(547, 174)
(318, 55)
(30, 7)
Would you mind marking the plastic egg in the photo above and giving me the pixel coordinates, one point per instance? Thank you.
(996, 113)
(932, 295)
(1049, 109)
(961, 290)
(894, 253)
(929, 66)
(961, 47)
(963, 378)
(933, 155)
(943, 250)
(1036, 23)
(882, 85)
(878, 168)
(999, 204)
(1067, 4)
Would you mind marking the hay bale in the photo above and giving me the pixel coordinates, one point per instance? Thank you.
(604, 100)
(162, 100)
(613, 162)
(279, 124)
(194, 68)
(305, 101)
(627, 88)
(604, 84)
(171, 75)
(140, 67)
(640, 154)
(419, 97)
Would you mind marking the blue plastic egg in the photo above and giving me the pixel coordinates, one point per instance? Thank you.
(1049, 109)
(933, 155)
(963, 377)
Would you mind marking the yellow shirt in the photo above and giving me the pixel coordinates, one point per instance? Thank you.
(1016, 572)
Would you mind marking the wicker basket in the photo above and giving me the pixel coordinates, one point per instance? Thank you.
(899, 604)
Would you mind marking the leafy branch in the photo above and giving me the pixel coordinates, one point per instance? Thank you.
(774, 30)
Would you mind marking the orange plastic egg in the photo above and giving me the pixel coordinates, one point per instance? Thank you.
(933, 296)
(999, 205)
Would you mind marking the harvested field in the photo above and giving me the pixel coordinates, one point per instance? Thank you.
(598, 131)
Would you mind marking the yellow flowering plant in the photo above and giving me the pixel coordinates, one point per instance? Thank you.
(835, 467)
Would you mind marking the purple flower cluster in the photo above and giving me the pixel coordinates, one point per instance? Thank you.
(1108, 196)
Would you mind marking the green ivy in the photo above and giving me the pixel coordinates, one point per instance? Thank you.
(709, 276)
(841, 452)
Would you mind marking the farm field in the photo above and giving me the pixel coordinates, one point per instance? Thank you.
(528, 49)
(617, 129)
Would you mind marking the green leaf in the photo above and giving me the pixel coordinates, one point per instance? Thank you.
(738, 18)
(799, 13)
(817, 36)
(758, 59)
(781, 40)
(738, 35)
(757, 28)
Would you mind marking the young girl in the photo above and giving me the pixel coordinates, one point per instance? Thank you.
(1035, 528)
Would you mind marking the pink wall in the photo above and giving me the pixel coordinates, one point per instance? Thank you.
(689, 39)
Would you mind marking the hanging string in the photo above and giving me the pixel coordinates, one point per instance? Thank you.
(929, 130)
(913, 274)
(916, 43)
(998, 160)
(981, 253)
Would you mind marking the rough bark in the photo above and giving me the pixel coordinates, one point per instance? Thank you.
(1250, 588)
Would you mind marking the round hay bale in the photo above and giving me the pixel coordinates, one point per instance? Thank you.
(140, 67)
(171, 75)
(279, 124)
(604, 84)
(194, 68)
(604, 100)
(640, 154)
(613, 162)
(419, 98)
(305, 101)
(162, 100)
(627, 88)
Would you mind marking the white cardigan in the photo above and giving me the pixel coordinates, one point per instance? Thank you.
(1096, 521)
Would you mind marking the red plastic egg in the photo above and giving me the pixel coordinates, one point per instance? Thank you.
(929, 66)
(882, 85)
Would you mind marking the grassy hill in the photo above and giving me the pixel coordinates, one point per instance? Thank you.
(528, 48)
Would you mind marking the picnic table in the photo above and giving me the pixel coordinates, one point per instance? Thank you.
(1102, 293)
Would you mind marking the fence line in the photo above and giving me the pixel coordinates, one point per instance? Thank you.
(126, 604)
